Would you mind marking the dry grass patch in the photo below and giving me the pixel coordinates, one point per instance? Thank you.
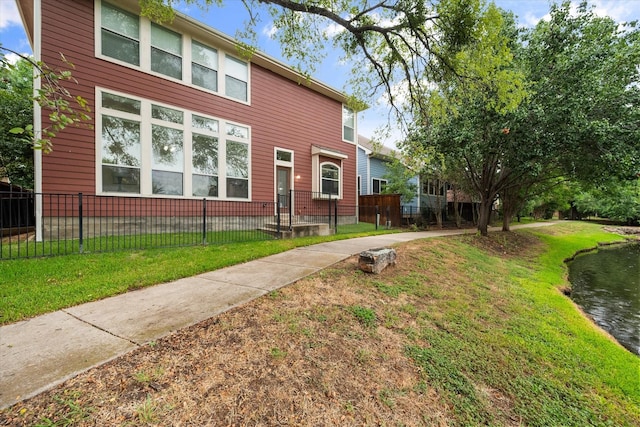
(429, 342)
(299, 356)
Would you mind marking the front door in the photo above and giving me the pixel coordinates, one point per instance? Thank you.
(283, 185)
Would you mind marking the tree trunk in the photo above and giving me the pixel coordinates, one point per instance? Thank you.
(484, 215)
(506, 220)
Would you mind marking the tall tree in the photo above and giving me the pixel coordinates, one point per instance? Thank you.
(467, 116)
(580, 119)
(584, 112)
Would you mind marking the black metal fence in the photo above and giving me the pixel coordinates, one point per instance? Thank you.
(77, 223)
(80, 223)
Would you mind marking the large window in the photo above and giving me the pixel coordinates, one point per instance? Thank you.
(237, 162)
(120, 32)
(236, 78)
(204, 147)
(167, 147)
(121, 144)
(433, 188)
(135, 41)
(348, 124)
(151, 149)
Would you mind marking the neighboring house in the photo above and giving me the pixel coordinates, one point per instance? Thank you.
(178, 113)
(373, 161)
(372, 178)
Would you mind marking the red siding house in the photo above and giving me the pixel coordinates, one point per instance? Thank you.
(178, 113)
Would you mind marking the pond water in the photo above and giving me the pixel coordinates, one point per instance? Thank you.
(606, 284)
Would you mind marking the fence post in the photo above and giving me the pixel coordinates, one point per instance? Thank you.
(335, 215)
(329, 210)
(80, 236)
(278, 231)
(290, 209)
(204, 221)
(377, 216)
(388, 223)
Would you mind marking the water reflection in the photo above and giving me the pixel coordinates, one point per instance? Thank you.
(606, 284)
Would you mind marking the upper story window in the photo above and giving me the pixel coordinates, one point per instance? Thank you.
(136, 42)
(166, 52)
(120, 32)
(204, 66)
(348, 124)
(237, 75)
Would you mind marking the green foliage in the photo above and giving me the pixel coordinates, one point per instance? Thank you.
(399, 181)
(365, 315)
(51, 94)
(618, 200)
(41, 285)
(584, 112)
(75, 411)
(16, 112)
(530, 112)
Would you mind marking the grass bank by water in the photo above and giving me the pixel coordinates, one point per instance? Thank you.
(463, 331)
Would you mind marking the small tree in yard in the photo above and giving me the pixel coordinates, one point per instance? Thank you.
(398, 178)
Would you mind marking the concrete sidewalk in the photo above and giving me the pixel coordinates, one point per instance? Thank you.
(42, 352)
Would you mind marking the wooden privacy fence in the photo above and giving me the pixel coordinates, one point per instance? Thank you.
(388, 208)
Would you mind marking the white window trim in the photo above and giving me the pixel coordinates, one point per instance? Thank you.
(146, 148)
(355, 126)
(333, 196)
(380, 181)
(283, 163)
(316, 169)
(145, 55)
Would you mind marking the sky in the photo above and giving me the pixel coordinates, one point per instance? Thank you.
(332, 72)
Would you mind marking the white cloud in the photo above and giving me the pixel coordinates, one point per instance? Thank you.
(269, 30)
(530, 20)
(12, 58)
(333, 29)
(620, 11)
(9, 14)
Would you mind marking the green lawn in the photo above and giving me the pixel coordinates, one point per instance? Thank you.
(33, 286)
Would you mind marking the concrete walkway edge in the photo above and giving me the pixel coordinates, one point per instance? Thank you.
(42, 352)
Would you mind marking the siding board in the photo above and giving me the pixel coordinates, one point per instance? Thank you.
(282, 113)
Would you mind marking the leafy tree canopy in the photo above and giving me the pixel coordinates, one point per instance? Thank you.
(398, 48)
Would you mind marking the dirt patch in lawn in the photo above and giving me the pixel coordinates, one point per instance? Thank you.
(328, 350)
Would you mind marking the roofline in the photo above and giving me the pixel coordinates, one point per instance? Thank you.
(25, 8)
(266, 61)
(226, 42)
